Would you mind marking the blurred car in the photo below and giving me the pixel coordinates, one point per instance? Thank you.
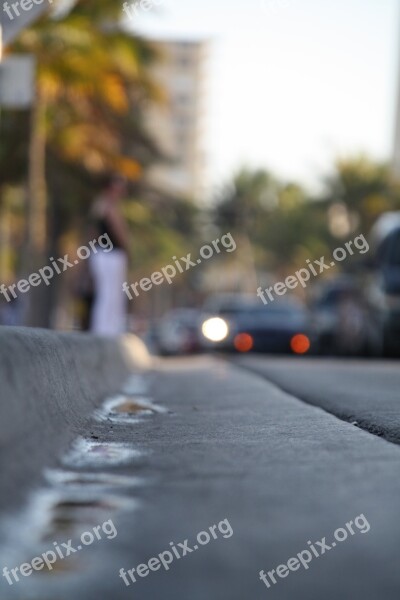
(382, 285)
(242, 323)
(339, 318)
(178, 332)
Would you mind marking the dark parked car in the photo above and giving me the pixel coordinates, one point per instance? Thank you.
(359, 314)
(179, 332)
(382, 287)
(339, 318)
(243, 324)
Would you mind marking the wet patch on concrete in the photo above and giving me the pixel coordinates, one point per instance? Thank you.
(57, 518)
(80, 496)
(53, 513)
(87, 453)
(128, 409)
(94, 481)
(72, 513)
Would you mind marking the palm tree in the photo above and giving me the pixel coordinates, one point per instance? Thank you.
(92, 82)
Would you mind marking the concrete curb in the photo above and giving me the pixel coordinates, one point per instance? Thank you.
(50, 384)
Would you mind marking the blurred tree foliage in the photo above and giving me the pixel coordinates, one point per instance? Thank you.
(280, 223)
(366, 188)
(92, 81)
(285, 226)
(160, 230)
(93, 84)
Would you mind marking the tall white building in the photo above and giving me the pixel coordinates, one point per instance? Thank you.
(178, 123)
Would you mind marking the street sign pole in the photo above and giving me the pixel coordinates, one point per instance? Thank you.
(17, 81)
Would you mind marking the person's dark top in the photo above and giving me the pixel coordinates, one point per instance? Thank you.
(104, 227)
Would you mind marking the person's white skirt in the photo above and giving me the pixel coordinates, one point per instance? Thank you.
(109, 310)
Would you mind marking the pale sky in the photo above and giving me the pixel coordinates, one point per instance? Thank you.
(291, 83)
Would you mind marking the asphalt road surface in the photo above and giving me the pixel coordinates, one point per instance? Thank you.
(234, 449)
(360, 392)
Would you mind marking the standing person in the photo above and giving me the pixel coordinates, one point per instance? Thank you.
(109, 269)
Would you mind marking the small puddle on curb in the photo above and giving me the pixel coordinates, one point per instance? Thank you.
(78, 501)
(54, 516)
(127, 409)
(88, 453)
(92, 481)
(72, 513)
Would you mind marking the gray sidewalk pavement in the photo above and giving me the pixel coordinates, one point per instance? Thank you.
(282, 472)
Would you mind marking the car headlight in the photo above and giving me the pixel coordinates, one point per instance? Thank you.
(215, 329)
